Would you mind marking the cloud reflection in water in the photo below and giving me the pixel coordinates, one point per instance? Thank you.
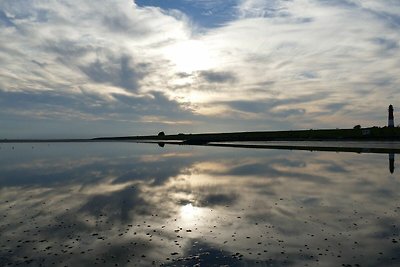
(135, 204)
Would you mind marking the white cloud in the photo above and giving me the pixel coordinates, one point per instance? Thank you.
(339, 50)
(69, 35)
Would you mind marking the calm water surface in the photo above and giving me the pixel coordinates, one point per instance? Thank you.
(126, 204)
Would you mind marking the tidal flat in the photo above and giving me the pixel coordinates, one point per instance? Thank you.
(129, 204)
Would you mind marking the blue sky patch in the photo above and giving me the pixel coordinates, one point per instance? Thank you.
(206, 13)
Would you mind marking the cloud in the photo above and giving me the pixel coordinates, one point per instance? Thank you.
(386, 44)
(218, 199)
(217, 77)
(259, 8)
(323, 56)
(277, 10)
(257, 169)
(254, 52)
(98, 40)
(282, 108)
(38, 110)
(335, 107)
(248, 106)
(116, 71)
(123, 204)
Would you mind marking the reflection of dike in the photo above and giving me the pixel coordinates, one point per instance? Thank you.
(391, 152)
(374, 150)
(161, 144)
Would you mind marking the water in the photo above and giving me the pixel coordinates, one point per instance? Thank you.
(127, 204)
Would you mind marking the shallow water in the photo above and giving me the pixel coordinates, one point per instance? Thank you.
(130, 204)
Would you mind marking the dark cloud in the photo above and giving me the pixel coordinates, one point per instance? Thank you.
(117, 23)
(59, 113)
(66, 48)
(392, 19)
(20, 99)
(218, 199)
(336, 168)
(274, 107)
(183, 75)
(347, 3)
(218, 77)
(260, 169)
(123, 166)
(309, 75)
(158, 172)
(44, 176)
(154, 103)
(249, 106)
(42, 65)
(118, 71)
(50, 102)
(122, 24)
(384, 81)
(283, 161)
(386, 43)
(335, 107)
(311, 201)
(123, 205)
(304, 20)
(290, 112)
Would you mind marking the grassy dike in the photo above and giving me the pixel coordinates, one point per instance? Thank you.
(374, 133)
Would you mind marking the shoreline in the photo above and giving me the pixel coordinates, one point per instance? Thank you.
(355, 146)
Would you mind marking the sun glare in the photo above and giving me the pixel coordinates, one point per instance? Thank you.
(187, 210)
(189, 56)
(189, 213)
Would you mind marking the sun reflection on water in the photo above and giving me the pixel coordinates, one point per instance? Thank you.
(192, 216)
(188, 212)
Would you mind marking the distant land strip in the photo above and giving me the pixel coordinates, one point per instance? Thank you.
(355, 134)
(46, 140)
(362, 134)
(366, 140)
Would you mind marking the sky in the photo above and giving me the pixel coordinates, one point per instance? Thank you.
(74, 68)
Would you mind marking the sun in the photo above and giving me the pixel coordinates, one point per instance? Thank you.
(190, 213)
(187, 211)
(190, 56)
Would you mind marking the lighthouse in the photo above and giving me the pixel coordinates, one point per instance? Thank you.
(390, 119)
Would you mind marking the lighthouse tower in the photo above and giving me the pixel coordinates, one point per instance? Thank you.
(390, 119)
